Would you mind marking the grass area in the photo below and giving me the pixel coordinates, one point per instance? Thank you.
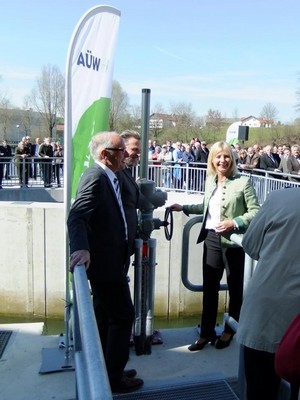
(279, 134)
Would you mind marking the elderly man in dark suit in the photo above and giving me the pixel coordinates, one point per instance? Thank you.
(268, 160)
(98, 238)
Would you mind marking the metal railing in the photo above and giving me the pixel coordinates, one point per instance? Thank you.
(30, 172)
(190, 178)
(181, 177)
(91, 376)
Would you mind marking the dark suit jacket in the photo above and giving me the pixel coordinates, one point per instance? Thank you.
(95, 223)
(204, 155)
(201, 156)
(130, 198)
(45, 150)
(33, 147)
(267, 163)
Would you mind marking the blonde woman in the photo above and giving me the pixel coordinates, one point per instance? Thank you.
(229, 205)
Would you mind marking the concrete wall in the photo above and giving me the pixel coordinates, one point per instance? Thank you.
(33, 271)
(32, 265)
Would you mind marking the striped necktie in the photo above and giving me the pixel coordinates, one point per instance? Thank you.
(118, 194)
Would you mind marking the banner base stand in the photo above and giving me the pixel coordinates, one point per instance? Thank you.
(57, 360)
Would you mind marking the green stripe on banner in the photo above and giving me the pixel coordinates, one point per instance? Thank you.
(94, 120)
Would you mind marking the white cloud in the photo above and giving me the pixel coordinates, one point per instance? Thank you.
(168, 53)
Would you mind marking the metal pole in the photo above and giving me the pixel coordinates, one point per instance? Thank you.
(145, 132)
(23, 172)
(150, 295)
(138, 286)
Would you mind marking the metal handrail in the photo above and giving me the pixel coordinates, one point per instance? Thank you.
(237, 239)
(185, 257)
(91, 376)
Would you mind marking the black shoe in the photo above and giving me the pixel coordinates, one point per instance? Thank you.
(221, 343)
(130, 373)
(126, 385)
(201, 343)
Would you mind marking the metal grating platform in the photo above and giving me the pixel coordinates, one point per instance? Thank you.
(214, 390)
(4, 338)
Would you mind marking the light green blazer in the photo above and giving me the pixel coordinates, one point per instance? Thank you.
(238, 203)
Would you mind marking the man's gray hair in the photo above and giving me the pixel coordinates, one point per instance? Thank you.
(101, 141)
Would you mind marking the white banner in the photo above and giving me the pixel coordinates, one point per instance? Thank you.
(232, 133)
(88, 88)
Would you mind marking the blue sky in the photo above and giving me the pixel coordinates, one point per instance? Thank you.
(229, 55)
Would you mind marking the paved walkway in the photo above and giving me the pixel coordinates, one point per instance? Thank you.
(169, 363)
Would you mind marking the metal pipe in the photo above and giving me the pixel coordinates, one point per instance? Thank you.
(145, 132)
(138, 286)
(150, 294)
(185, 256)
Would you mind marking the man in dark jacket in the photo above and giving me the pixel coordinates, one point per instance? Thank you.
(129, 189)
(46, 154)
(98, 239)
(7, 158)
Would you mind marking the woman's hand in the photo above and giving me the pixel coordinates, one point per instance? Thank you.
(225, 226)
(176, 207)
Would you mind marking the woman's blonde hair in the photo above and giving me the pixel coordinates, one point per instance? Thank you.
(215, 149)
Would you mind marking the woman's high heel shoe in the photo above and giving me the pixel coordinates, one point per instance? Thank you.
(221, 343)
(199, 345)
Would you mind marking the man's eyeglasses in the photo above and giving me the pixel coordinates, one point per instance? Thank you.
(115, 148)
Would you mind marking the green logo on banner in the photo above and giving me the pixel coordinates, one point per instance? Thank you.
(94, 120)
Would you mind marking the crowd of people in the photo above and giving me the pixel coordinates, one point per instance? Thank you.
(42, 160)
(284, 160)
(172, 158)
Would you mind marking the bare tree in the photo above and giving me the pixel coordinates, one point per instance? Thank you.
(235, 114)
(5, 113)
(214, 119)
(269, 112)
(118, 105)
(298, 96)
(48, 96)
(136, 113)
(158, 109)
(184, 118)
